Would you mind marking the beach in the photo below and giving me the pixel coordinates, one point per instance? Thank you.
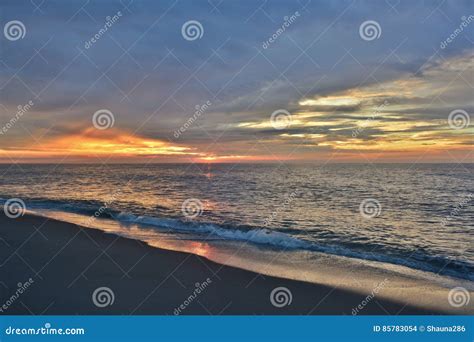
(303, 170)
(67, 263)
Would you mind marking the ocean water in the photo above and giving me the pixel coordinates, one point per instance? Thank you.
(420, 216)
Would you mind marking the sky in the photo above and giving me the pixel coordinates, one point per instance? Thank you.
(236, 81)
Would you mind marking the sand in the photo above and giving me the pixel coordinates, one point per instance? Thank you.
(67, 263)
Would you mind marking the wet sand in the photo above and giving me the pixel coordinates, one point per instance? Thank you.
(67, 263)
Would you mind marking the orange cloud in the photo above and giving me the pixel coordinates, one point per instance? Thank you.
(91, 142)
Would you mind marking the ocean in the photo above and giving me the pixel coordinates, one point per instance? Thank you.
(416, 216)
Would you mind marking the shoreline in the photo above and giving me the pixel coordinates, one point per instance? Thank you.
(68, 263)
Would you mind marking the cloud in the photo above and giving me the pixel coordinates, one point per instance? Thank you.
(319, 70)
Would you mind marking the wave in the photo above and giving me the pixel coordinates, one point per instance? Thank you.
(259, 236)
(280, 239)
